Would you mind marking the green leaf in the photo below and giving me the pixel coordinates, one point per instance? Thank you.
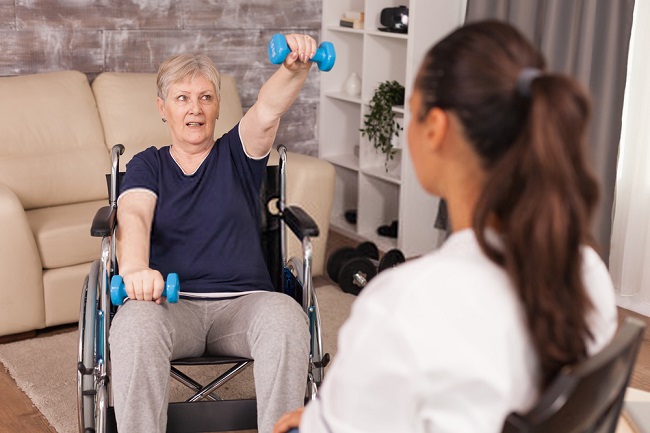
(380, 125)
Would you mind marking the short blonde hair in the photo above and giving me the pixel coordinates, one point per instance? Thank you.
(182, 66)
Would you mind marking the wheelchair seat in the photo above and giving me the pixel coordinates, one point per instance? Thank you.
(204, 410)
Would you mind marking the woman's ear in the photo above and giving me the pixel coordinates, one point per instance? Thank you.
(437, 127)
(160, 104)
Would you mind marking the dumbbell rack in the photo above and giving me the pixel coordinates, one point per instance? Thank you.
(362, 182)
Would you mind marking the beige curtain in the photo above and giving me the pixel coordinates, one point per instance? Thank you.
(589, 40)
(629, 261)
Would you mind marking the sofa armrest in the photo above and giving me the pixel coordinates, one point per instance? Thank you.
(22, 307)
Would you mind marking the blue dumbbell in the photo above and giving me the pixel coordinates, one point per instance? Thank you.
(324, 57)
(118, 291)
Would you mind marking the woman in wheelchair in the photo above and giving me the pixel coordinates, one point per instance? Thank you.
(193, 208)
(457, 339)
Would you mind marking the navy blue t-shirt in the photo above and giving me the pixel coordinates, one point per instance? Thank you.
(206, 225)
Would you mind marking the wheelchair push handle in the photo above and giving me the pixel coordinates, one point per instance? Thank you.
(171, 290)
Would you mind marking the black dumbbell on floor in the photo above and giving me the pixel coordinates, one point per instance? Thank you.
(353, 268)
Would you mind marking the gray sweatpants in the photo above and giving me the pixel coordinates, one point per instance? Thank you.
(269, 327)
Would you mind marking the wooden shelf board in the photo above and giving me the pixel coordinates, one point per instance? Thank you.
(350, 162)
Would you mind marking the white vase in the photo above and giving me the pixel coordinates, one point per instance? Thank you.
(353, 85)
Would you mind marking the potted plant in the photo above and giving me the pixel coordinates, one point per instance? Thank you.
(380, 125)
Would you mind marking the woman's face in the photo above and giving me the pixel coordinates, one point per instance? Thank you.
(191, 108)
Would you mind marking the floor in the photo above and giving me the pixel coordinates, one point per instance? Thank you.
(17, 414)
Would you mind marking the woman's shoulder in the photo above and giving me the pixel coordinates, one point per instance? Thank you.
(595, 274)
(603, 316)
(231, 136)
(151, 152)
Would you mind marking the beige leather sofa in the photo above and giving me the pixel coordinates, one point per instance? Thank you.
(54, 151)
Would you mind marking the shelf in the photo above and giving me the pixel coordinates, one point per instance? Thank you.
(396, 108)
(362, 182)
(345, 97)
(391, 176)
(372, 32)
(375, 32)
(351, 162)
(337, 28)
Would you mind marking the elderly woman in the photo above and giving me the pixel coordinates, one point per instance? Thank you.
(192, 208)
(486, 321)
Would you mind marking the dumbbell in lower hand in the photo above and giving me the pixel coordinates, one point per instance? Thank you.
(324, 57)
(171, 290)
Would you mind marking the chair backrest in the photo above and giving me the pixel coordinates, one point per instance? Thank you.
(587, 397)
(270, 226)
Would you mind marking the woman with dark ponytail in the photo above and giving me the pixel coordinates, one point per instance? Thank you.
(457, 339)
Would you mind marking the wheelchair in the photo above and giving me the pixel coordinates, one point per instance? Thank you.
(205, 410)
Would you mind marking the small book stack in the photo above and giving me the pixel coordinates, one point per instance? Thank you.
(352, 20)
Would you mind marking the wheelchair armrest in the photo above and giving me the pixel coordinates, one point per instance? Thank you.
(104, 222)
(300, 223)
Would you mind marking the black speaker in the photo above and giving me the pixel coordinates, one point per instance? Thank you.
(395, 19)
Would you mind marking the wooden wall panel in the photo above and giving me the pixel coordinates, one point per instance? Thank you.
(241, 54)
(7, 15)
(299, 129)
(46, 50)
(104, 14)
(261, 14)
(136, 35)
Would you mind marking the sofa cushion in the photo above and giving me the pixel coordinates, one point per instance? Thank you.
(52, 146)
(61, 292)
(127, 107)
(62, 233)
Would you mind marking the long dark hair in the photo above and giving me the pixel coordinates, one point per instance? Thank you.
(528, 127)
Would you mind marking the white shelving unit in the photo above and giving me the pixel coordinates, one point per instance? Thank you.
(362, 181)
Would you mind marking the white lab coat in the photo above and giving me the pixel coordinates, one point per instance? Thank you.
(440, 344)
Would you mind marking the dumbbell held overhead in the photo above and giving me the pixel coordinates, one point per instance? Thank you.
(324, 57)
(118, 290)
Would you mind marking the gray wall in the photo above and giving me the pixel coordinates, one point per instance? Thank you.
(93, 36)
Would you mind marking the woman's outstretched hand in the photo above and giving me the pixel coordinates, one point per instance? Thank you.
(303, 48)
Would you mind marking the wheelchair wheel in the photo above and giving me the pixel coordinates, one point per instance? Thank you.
(91, 393)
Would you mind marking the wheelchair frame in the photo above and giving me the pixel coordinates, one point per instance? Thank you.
(94, 398)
